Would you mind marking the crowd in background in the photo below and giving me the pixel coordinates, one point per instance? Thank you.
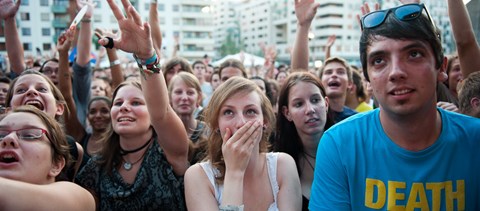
(145, 135)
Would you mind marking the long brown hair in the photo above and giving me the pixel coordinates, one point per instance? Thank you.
(287, 138)
(109, 154)
(224, 92)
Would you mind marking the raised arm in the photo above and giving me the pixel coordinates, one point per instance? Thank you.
(135, 38)
(467, 47)
(305, 11)
(330, 42)
(85, 36)
(16, 195)
(155, 25)
(72, 124)
(8, 9)
(115, 64)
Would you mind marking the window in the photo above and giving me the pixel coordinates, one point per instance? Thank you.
(45, 31)
(47, 46)
(176, 8)
(176, 21)
(161, 7)
(97, 18)
(98, 3)
(26, 32)
(45, 16)
(43, 2)
(25, 16)
(27, 46)
(25, 2)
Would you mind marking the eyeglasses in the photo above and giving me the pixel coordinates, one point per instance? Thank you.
(26, 134)
(406, 12)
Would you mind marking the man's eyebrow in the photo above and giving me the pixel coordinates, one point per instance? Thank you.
(415, 44)
(375, 53)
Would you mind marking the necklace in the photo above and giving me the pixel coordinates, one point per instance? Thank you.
(125, 152)
(127, 165)
(309, 155)
(309, 163)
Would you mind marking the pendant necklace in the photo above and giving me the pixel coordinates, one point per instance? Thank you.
(127, 165)
(306, 159)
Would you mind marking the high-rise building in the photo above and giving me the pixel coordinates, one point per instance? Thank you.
(40, 22)
(273, 22)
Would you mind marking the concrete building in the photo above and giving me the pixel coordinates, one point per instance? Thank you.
(274, 23)
(40, 22)
(227, 26)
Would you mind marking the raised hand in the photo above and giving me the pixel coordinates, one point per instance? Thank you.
(8, 8)
(331, 40)
(237, 148)
(448, 106)
(102, 33)
(135, 35)
(65, 40)
(91, 5)
(305, 11)
(365, 9)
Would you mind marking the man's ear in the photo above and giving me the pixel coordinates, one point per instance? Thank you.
(442, 73)
(286, 113)
(475, 102)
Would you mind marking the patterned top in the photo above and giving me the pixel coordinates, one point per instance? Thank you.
(156, 186)
(211, 172)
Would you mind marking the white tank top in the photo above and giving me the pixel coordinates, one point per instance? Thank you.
(211, 172)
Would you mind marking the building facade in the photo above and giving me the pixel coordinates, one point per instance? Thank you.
(41, 21)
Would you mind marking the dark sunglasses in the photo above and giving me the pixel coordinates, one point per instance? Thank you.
(404, 12)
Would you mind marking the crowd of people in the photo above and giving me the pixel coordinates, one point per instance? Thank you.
(399, 132)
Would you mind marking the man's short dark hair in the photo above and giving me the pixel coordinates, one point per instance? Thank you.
(420, 28)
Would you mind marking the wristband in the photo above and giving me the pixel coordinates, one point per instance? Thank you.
(86, 20)
(148, 68)
(116, 62)
(148, 61)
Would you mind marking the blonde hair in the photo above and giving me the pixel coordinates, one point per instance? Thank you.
(190, 80)
(224, 92)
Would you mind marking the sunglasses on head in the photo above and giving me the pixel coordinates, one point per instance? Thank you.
(404, 12)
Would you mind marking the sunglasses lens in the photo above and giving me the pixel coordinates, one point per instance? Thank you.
(408, 12)
(374, 19)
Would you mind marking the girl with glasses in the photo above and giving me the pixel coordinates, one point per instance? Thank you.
(33, 152)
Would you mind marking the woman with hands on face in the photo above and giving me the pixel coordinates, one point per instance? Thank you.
(239, 173)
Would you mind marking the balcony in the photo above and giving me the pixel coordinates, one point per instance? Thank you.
(59, 23)
(59, 9)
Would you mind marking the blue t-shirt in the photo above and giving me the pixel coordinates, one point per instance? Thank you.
(359, 167)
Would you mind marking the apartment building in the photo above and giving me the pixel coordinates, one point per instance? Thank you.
(41, 21)
(274, 23)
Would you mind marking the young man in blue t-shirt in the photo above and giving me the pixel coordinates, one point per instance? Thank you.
(408, 154)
